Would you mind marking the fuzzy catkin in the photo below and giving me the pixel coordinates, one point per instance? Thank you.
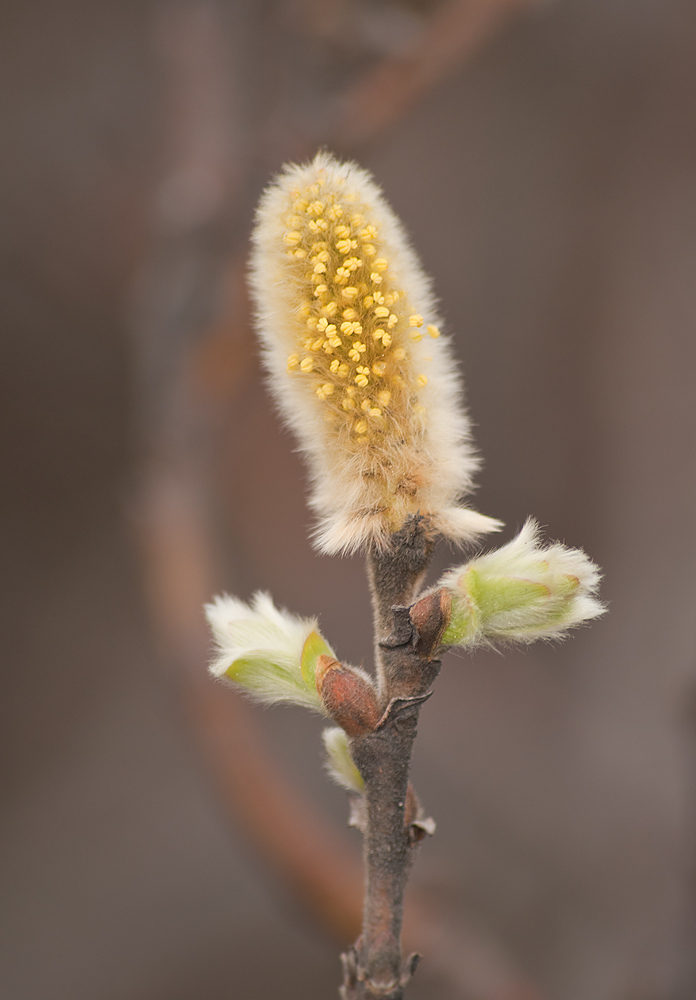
(352, 344)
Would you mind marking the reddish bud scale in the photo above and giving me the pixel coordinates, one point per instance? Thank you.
(349, 697)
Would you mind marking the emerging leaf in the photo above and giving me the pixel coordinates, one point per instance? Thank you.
(267, 651)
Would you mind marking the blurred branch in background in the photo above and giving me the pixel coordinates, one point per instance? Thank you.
(193, 348)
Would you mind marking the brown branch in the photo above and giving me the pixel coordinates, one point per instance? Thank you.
(456, 30)
(176, 537)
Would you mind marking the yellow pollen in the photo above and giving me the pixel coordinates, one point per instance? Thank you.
(361, 427)
(325, 390)
(300, 253)
(375, 412)
(307, 365)
(393, 320)
(368, 301)
(335, 340)
(330, 308)
(369, 250)
(357, 219)
(345, 246)
(292, 238)
(342, 232)
(415, 320)
(365, 405)
(369, 233)
(384, 397)
(381, 312)
(303, 311)
(381, 263)
(376, 278)
(349, 293)
(316, 344)
(422, 380)
(433, 331)
(316, 208)
(321, 245)
(293, 362)
(320, 268)
(344, 370)
(348, 404)
(321, 290)
(399, 354)
(378, 297)
(349, 313)
(318, 225)
(386, 339)
(379, 368)
(416, 335)
(312, 322)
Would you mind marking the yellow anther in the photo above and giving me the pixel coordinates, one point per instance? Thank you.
(321, 289)
(307, 365)
(384, 397)
(379, 368)
(349, 327)
(381, 312)
(303, 311)
(316, 208)
(316, 344)
(344, 370)
(422, 380)
(357, 219)
(301, 205)
(321, 255)
(351, 390)
(375, 412)
(349, 313)
(393, 320)
(312, 323)
(362, 380)
(293, 221)
(335, 212)
(345, 246)
(292, 238)
(361, 427)
(369, 233)
(415, 320)
(293, 362)
(378, 297)
(365, 405)
(342, 232)
(386, 339)
(368, 301)
(335, 341)
(318, 225)
(320, 268)
(324, 390)
(299, 253)
(416, 335)
(381, 264)
(433, 331)
(378, 333)
(349, 293)
(348, 404)
(330, 308)
(333, 367)
(369, 249)
(321, 245)
(323, 323)
(352, 263)
(376, 278)
(398, 354)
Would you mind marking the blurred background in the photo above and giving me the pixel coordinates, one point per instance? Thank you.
(161, 840)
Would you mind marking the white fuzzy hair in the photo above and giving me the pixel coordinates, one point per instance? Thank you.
(259, 648)
(528, 560)
(363, 494)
